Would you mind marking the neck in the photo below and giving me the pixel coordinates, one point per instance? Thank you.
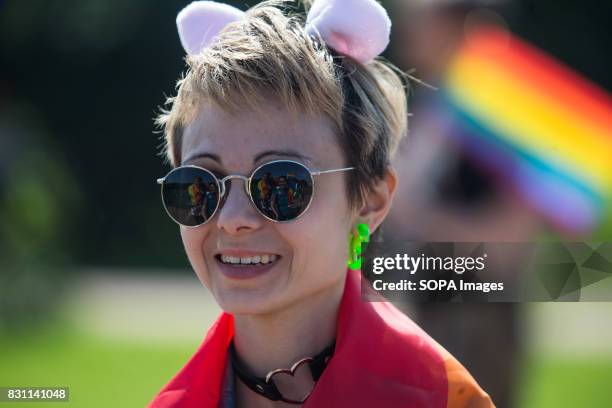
(279, 339)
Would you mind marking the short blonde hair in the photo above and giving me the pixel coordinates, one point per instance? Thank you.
(270, 53)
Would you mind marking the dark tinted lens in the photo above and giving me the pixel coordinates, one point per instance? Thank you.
(190, 195)
(282, 190)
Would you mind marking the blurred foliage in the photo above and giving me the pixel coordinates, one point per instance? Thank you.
(604, 233)
(37, 201)
(577, 33)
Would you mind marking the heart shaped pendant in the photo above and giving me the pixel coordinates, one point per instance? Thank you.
(292, 385)
(295, 384)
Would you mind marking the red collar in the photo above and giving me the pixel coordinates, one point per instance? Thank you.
(382, 358)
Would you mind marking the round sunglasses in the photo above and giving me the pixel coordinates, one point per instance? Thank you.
(280, 190)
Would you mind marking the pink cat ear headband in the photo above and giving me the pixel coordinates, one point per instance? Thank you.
(359, 29)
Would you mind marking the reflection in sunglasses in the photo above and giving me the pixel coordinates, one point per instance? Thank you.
(280, 190)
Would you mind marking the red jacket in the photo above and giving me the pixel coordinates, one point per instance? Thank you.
(382, 359)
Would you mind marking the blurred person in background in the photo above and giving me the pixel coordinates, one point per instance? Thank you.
(511, 145)
(444, 196)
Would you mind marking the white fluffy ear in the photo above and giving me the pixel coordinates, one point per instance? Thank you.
(200, 22)
(357, 28)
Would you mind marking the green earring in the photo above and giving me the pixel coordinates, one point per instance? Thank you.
(360, 234)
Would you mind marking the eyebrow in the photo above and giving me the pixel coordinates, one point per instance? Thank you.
(287, 153)
(211, 156)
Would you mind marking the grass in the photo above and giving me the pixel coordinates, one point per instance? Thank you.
(100, 373)
(104, 373)
(566, 382)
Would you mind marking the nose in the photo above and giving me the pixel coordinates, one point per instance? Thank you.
(237, 214)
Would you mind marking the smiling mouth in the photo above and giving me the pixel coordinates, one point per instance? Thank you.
(257, 260)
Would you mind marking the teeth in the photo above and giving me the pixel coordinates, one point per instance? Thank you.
(247, 260)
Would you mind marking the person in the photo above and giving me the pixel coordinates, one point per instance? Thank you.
(196, 194)
(263, 189)
(210, 199)
(281, 199)
(447, 196)
(272, 90)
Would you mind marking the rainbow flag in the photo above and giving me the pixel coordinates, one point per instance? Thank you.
(527, 116)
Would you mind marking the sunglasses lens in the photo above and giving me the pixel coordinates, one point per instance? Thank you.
(282, 190)
(190, 195)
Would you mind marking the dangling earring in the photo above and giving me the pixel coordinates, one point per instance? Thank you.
(358, 235)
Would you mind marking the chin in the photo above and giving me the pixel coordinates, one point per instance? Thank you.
(241, 302)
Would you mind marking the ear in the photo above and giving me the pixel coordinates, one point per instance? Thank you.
(357, 28)
(378, 201)
(201, 21)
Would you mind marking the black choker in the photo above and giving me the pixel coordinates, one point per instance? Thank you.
(266, 386)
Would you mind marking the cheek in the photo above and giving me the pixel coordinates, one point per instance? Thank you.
(193, 241)
(320, 241)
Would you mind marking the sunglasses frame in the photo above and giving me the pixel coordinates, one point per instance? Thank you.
(247, 188)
